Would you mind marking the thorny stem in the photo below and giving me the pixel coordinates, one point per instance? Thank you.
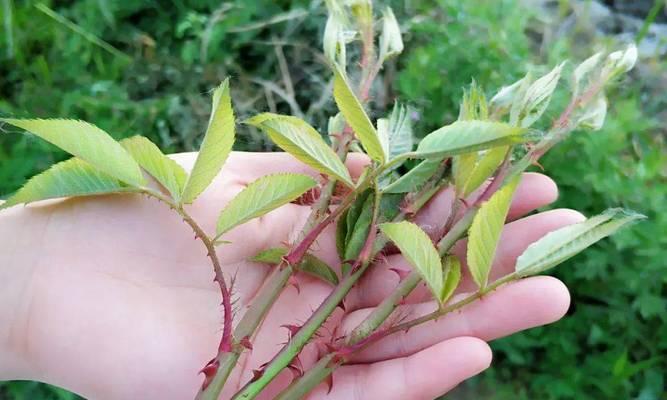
(296, 343)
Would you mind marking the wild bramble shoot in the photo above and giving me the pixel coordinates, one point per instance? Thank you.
(480, 156)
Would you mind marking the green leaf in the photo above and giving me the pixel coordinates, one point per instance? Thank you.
(261, 196)
(165, 170)
(216, 146)
(396, 132)
(310, 265)
(418, 250)
(302, 141)
(356, 237)
(538, 96)
(485, 232)
(472, 169)
(87, 142)
(467, 136)
(451, 277)
(415, 178)
(70, 178)
(561, 244)
(356, 116)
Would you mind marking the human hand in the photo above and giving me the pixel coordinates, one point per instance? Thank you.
(112, 297)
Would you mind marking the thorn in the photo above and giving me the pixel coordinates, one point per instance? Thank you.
(537, 164)
(256, 374)
(465, 203)
(329, 382)
(294, 282)
(402, 274)
(293, 329)
(245, 342)
(209, 372)
(342, 305)
(330, 347)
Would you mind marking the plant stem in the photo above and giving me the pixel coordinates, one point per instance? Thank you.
(296, 343)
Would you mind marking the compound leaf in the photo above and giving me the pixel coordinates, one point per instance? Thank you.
(216, 146)
(467, 136)
(356, 116)
(418, 250)
(165, 170)
(561, 244)
(301, 140)
(87, 142)
(485, 232)
(261, 196)
(70, 178)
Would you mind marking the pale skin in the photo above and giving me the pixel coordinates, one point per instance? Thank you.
(111, 297)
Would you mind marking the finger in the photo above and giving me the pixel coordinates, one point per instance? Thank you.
(425, 375)
(381, 280)
(512, 308)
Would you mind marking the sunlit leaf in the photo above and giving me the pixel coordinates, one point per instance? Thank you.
(87, 142)
(261, 196)
(356, 116)
(561, 244)
(216, 146)
(165, 170)
(472, 169)
(451, 267)
(485, 232)
(70, 178)
(415, 178)
(310, 265)
(418, 250)
(302, 141)
(467, 136)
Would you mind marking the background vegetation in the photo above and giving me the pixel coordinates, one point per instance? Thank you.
(146, 67)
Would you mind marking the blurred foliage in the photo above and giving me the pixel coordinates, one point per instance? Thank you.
(168, 56)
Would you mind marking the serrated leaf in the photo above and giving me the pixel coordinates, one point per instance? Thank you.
(216, 146)
(302, 141)
(356, 116)
(538, 96)
(561, 244)
(502, 101)
(451, 277)
(70, 178)
(418, 250)
(310, 265)
(400, 134)
(261, 196)
(391, 42)
(485, 232)
(415, 178)
(87, 142)
(467, 136)
(165, 170)
(472, 169)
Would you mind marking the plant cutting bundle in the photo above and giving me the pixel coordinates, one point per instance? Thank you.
(480, 157)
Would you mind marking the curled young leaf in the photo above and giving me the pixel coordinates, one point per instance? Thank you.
(419, 251)
(70, 178)
(473, 105)
(485, 232)
(467, 136)
(165, 170)
(358, 227)
(585, 71)
(87, 142)
(538, 96)
(594, 114)
(451, 267)
(391, 42)
(261, 196)
(502, 101)
(622, 61)
(355, 115)
(302, 141)
(216, 146)
(564, 243)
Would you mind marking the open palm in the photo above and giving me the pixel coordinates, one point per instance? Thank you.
(113, 298)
